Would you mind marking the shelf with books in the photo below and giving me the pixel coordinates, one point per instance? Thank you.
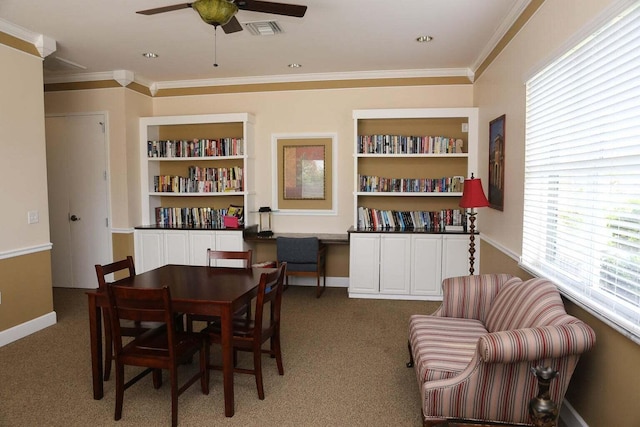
(196, 162)
(409, 169)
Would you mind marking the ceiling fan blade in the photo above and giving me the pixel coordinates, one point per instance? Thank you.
(164, 9)
(272, 7)
(233, 26)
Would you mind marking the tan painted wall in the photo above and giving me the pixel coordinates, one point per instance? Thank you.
(312, 111)
(25, 280)
(606, 384)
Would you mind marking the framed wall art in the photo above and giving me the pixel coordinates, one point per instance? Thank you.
(496, 162)
(304, 177)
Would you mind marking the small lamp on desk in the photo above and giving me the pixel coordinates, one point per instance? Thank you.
(472, 197)
(265, 222)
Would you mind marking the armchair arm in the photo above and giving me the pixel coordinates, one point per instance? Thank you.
(470, 297)
(531, 344)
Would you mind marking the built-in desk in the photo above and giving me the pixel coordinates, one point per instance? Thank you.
(337, 251)
(326, 238)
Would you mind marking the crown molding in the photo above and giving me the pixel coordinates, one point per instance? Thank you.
(44, 44)
(356, 75)
(516, 10)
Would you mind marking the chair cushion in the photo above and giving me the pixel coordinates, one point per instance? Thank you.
(535, 302)
(441, 346)
(301, 250)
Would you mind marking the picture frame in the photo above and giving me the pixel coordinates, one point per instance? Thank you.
(497, 143)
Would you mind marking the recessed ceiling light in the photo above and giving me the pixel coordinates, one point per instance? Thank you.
(294, 65)
(424, 39)
(150, 55)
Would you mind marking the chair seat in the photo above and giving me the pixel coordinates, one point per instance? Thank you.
(300, 267)
(155, 343)
(443, 346)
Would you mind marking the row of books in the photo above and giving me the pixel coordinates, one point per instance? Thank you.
(195, 148)
(201, 180)
(438, 221)
(190, 217)
(398, 144)
(410, 185)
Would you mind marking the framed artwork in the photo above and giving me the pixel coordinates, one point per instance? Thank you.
(496, 162)
(304, 172)
(304, 180)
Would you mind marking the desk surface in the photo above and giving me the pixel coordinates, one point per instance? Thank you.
(326, 238)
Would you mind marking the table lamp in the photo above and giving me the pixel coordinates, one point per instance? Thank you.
(265, 222)
(472, 197)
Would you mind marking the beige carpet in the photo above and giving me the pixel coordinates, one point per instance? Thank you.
(344, 362)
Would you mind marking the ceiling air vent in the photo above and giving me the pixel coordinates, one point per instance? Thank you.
(263, 28)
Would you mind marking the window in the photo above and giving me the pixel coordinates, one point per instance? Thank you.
(581, 225)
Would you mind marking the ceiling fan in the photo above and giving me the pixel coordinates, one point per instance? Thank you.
(222, 12)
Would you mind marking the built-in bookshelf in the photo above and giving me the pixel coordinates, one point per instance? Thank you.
(194, 167)
(408, 231)
(195, 171)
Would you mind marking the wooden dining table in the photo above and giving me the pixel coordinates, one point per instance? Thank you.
(195, 290)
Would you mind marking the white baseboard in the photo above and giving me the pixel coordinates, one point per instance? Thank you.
(570, 417)
(332, 282)
(27, 328)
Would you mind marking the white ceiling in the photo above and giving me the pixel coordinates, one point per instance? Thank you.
(371, 38)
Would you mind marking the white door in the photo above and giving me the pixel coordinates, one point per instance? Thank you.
(364, 263)
(426, 265)
(78, 198)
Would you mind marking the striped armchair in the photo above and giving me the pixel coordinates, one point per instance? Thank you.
(473, 356)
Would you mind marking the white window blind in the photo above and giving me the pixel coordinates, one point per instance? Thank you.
(581, 225)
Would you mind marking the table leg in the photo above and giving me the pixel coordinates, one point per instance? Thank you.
(227, 360)
(95, 333)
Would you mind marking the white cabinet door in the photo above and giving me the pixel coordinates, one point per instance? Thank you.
(364, 260)
(199, 242)
(455, 256)
(149, 247)
(229, 241)
(176, 247)
(426, 265)
(395, 264)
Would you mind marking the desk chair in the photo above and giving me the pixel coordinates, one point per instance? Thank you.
(159, 348)
(305, 256)
(245, 257)
(250, 334)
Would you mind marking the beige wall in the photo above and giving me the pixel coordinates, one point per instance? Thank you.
(25, 278)
(313, 111)
(605, 386)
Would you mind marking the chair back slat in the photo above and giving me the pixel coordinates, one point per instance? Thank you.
(144, 305)
(104, 270)
(237, 255)
(269, 293)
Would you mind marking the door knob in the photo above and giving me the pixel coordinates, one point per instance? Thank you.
(74, 218)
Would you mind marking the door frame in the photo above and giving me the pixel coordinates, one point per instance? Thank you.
(107, 151)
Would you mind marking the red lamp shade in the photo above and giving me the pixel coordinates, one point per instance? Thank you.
(473, 194)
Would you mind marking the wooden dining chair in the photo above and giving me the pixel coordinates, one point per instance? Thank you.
(163, 347)
(250, 335)
(244, 257)
(132, 329)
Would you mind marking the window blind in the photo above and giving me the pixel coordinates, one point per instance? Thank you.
(581, 225)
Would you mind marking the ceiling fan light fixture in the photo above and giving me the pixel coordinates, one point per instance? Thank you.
(215, 12)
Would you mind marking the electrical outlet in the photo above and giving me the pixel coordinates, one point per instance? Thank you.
(33, 217)
(465, 127)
